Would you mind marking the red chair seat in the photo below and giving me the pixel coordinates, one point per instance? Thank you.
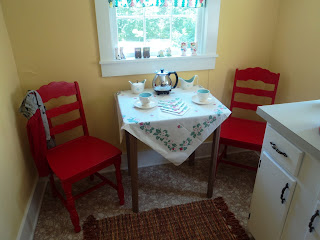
(82, 155)
(235, 131)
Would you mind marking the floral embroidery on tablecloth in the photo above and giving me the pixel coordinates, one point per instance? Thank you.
(132, 119)
(161, 134)
(171, 145)
(197, 130)
(146, 127)
(184, 145)
(210, 120)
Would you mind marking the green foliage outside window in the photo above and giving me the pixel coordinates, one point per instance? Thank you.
(130, 23)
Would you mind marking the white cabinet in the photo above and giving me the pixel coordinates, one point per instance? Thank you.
(285, 164)
(272, 195)
(304, 200)
(313, 232)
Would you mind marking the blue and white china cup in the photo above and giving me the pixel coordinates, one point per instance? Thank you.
(203, 94)
(145, 98)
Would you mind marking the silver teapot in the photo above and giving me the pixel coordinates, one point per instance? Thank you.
(162, 83)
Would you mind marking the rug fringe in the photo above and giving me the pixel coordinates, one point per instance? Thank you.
(92, 229)
(231, 220)
(89, 227)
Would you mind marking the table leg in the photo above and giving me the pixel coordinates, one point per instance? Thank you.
(191, 158)
(128, 150)
(213, 162)
(134, 172)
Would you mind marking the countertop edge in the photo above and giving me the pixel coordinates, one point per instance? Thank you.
(288, 134)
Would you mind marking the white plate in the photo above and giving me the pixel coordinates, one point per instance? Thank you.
(209, 100)
(152, 104)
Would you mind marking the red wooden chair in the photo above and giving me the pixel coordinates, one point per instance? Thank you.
(245, 133)
(78, 158)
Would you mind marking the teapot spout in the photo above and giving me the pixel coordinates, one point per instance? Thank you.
(144, 81)
(130, 82)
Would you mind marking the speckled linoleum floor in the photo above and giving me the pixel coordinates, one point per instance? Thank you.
(159, 186)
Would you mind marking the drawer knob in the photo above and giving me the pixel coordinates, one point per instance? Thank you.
(282, 193)
(311, 227)
(274, 146)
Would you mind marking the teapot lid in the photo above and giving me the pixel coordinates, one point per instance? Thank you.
(162, 72)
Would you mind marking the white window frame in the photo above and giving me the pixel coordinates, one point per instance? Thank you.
(204, 61)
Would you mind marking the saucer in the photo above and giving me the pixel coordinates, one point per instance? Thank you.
(152, 104)
(209, 100)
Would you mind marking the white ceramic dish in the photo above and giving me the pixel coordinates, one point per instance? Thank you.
(209, 100)
(152, 104)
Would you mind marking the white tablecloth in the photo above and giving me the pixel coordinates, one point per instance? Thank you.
(174, 137)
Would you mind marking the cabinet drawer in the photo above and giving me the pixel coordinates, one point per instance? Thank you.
(283, 151)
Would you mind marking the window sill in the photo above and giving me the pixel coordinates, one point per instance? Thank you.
(132, 66)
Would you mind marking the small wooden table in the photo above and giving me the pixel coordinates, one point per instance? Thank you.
(132, 155)
(175, 137)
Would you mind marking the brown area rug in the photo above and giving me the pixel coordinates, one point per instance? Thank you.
(207, 219)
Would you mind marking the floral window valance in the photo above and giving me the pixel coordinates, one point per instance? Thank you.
(157, 3)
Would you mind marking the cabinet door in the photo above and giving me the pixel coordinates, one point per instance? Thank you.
(271, 199)
(314, 223)
(304, 200)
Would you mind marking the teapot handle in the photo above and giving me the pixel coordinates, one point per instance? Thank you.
(176, 78)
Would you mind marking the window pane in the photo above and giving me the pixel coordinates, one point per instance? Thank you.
(151, 11)
(157, 33)
(129, 11)
(184, 11)
(130, 30)
(183, 30)
(157, 28)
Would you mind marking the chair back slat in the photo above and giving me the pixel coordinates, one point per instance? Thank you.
(243, 105)
(65, 126)
(64, 89)
(54, 112)
(56, 90)
(256, 92)
(255, 74)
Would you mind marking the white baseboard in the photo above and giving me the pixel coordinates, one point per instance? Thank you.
(146, 159)
(152, 158)
(31, 214)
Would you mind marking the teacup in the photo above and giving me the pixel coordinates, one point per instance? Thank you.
(145, 98)
(203, 94)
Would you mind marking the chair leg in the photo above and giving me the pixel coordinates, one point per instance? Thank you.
(224, 152)
(67, 187)
(119, 181)
(53, 186)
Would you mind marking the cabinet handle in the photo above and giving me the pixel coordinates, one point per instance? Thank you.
(282, 193)
(274, 146)
(316, 214)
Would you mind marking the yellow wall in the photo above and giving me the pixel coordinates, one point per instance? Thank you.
(296, 51)
(57, 41)
(17, 174)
